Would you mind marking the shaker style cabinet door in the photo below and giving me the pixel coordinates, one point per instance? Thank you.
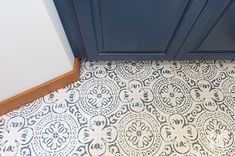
(133, 29)
(213, 34)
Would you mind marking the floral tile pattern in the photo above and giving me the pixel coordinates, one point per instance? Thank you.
(130, 108)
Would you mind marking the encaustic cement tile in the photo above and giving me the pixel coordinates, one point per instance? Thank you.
(130, 108)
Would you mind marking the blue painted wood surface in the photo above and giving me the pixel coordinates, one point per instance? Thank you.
(153, 29)
(213, 34)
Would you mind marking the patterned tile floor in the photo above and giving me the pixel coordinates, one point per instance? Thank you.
(134, 108)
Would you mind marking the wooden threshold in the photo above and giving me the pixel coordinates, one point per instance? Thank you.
(41, 90)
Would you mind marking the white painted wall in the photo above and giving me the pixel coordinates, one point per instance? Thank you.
(33, 45)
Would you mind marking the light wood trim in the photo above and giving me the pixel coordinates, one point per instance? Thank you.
(41, 90)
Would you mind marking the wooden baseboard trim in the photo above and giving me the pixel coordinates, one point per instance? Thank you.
(41, 90)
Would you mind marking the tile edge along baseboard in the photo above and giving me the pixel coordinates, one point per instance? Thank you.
(34, 93)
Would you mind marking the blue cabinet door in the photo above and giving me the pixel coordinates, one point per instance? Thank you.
(134, 29)
(213, 34)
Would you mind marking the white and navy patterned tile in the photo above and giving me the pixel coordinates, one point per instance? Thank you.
(130, 108)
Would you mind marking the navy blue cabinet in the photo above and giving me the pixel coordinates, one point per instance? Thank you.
(152, 29)
(130, 29)
(213, 34)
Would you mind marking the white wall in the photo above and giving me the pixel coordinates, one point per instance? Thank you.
(33, 45)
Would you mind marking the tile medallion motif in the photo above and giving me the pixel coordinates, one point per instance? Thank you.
(130, 108)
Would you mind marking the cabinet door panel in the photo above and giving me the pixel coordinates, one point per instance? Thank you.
(213, 34)
(130, 29)
(137, 25)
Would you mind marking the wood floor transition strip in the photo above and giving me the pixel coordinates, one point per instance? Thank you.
(41, 90)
